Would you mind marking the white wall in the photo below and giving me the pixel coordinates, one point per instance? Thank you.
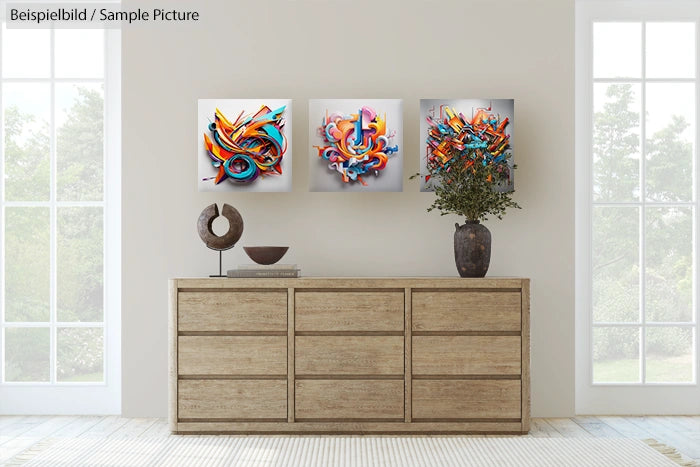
(361, 49)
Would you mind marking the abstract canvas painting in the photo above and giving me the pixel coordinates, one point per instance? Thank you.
(244, 145)
(466, 131)
(355, 145)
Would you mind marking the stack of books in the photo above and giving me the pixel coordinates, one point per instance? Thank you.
(265, 270)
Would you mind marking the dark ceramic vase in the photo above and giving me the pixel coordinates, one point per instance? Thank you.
(472, 249)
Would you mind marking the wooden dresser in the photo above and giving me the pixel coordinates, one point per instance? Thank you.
(350, 355)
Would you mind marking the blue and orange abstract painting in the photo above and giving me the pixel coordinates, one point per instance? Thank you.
(245, 145)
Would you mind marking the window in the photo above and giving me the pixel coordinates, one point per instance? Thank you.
(59, 261)
(637, 107)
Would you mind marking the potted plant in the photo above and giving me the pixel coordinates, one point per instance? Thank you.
(469, 171)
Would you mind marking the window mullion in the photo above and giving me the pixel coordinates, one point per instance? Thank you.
(640, 80)
(53, 80)
(2, 228)
(60, 204)
(590, 205)
(105, 225)
(642, 212)
(658, 204)
(52, 216)
(652, 324)
(696, 230)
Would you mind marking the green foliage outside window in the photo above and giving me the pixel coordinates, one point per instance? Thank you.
(668, 270)
(79, 261)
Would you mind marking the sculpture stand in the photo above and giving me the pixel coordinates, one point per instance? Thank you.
(221, 253)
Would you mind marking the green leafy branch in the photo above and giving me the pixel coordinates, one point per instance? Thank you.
(471, 192)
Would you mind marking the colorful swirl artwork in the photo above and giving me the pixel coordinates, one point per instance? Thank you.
(454, 139)
(250, 147)
(356, 145)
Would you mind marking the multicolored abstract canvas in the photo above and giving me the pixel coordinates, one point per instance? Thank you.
(244, 145)
(466, 131)
(355, 145)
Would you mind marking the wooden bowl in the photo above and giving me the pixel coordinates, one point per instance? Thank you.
(265, 254)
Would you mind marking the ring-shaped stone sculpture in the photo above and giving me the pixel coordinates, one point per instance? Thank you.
(206, 232)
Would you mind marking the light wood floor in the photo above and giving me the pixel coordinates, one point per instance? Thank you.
(17, 433)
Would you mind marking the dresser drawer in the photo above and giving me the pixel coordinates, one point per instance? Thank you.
(349, 399)
(466, 399)
(232, 355)
(237, 399)
(349, 311)
(347, 355)
(465, 311)
(232, 311)
(466, 355)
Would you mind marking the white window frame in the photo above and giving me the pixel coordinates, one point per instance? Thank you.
(84, 398)
(622, 398)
